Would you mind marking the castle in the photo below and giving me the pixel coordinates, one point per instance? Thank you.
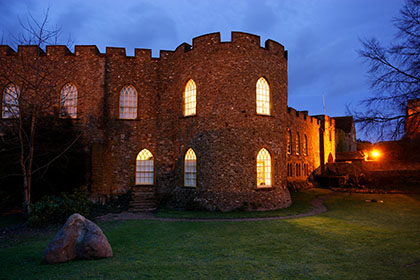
(205, 125)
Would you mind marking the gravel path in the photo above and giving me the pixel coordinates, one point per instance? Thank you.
(318, 207)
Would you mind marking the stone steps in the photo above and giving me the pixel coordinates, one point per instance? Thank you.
(143, 199)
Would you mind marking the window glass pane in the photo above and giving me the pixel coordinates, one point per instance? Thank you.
(190, 100)
(263, 168)
(128, 103)
(263, 97)
(144, 168)
(68, 101)
(10, 108)
(190, 169)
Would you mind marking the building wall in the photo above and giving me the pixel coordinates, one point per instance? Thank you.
(302, 164)
(226, 133)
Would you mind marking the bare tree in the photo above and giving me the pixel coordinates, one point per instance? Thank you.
(30, 93)
(395, 75)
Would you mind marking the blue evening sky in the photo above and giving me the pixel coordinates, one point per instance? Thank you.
(322, 36)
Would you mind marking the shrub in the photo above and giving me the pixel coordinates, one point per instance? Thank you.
(54, 209)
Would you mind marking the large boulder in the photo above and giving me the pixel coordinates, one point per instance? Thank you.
(79, 238)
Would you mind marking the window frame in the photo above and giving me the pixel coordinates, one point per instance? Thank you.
(265, 172)
(127, 115)
(289, 141)
(141, 163)
(189, 111)
(64, 108)
(10, 110)
(192, 174)
(261, 91)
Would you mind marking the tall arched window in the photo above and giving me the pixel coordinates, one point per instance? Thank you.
(10, 108)
(144, 168)
(68, 101)
(190, 169)
(263, 97)
(289, 141)
(190, 98)
(297, 143)
(128, 103)
(305, 145)
(263, 168)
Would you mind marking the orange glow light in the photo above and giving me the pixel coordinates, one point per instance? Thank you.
(375, 154)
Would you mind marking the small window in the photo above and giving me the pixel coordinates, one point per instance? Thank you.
(10, 108)
(263, 168)
(297, 143)
(289, 170)
(190, 98)
(144, 168)
(305, 145)
(289, 141)
(263, 97)
(190, 169)
(128, 103)
(68, 101)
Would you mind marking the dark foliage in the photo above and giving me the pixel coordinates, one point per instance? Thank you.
(56, 209)
(395, 76)
(60, 162)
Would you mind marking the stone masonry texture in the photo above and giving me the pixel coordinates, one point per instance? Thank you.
(226, 133)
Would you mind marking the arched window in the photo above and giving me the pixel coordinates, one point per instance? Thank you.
(297, 143)
(263, 168)
(305, 145)
(263, 97)
(10, 106)
(190, 169)
(190, 98)
(128, 103)
(289, 141)
(68, 101)
(144, 168)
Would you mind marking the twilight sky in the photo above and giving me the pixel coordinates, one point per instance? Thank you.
(322, 36)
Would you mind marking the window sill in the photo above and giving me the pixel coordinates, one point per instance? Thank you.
(264, 187)
(262, 115)
(187, 117)
(189, 187)
(136, 119)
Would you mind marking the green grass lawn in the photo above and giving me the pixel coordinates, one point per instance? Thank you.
(301, 204)
(353, 240)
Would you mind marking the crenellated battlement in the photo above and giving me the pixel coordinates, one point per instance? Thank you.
(241, 39)
(58, 50)
(302, 115)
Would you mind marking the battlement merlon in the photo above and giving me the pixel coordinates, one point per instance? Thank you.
(30, 50)
(302, 115)
(58, 50)
(6, 50)
(206, 40)
(86, 50)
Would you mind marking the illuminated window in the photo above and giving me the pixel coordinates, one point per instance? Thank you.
(289, 170)
(190, 169)
(128, 103)
(289, 141)
(297, 143)
(263, 97)
(144, 168)
(263, 168)
(305, 145)
(11, 102)
(190, 98)
(68, 101)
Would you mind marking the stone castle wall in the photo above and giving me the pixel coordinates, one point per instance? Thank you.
(226, 133)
